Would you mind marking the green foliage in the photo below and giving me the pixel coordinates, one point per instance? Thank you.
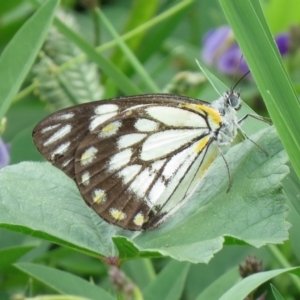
(55, 247)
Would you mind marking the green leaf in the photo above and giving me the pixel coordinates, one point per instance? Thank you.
(104, 64)
(18, 56)
(140, 14)
(140, 271)
(220, 285)
(276, 294)
(248, 23)
(169, 283)
(47, 204)
(130, 56)
(248, 284)
(64, 282)
(78, 84)
(11, 254)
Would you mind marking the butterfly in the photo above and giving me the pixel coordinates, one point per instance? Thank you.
(134, 159)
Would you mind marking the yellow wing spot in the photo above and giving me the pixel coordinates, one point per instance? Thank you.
(117, 214)
(212, 113)
(88, 156)
(209, 159)
(99, 196)
(139, 219)
(110, 129)
(202, 144)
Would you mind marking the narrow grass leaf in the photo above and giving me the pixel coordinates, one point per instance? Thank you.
(243, 288)
(19, 55)
(63, 282)
(248, 23)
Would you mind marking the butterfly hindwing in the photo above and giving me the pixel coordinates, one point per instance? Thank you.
(133, 159)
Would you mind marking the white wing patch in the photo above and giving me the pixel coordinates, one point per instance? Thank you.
(158, 188)
(96, 121)
(61, 149)
(105, 108)
(88, 156)
(62, 132)
(66, 116)
(139, 219)
(85, 178)
(142, 182)
(172, 116)
(162, 143)
(110, 129)
(119, 160)
(117, 214)
(99, 196)
(130, 139)
(146, 125)
(49, 128)
(128, 173)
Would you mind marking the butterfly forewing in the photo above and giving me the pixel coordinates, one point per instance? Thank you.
(133, 159)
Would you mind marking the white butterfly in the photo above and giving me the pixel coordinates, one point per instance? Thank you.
(134, 159)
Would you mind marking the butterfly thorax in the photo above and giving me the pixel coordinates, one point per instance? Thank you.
(227, 105)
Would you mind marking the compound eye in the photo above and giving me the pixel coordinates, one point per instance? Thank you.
(234, 100)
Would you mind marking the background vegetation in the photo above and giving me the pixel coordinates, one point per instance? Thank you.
(78, 56)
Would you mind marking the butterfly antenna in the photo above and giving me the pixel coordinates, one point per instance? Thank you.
(240, 80)
(235, 73)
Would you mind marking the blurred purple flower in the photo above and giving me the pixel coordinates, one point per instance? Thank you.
(4, 154)
(283, 42)
(222, 51)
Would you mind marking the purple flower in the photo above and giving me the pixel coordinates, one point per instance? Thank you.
(222, 51)
(4, 154)
(283, 42)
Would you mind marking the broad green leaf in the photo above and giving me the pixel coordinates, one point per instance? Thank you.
(169, 283)
(38, 199)
(63, 282)
(248, 23)
(248, 284)
(18, 56)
